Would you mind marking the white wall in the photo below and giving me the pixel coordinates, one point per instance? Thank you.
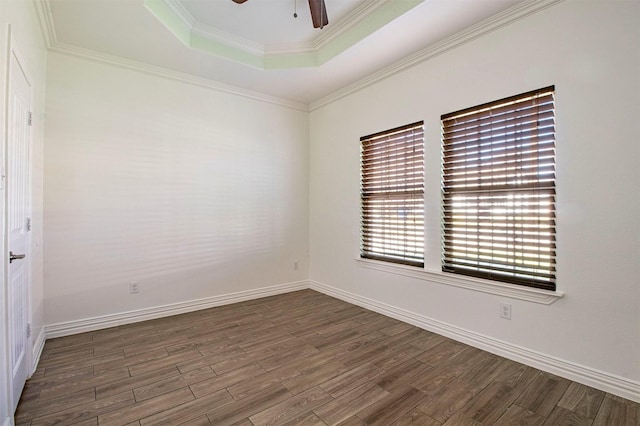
(591, 52)
(190, 191)
(25, 34)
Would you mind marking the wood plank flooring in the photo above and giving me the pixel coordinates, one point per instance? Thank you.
(300, 358)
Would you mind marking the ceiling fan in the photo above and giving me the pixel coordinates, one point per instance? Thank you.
(318, 12)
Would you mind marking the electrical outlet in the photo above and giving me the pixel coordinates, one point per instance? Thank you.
(505, 311)
(295, 265)
(134, 287)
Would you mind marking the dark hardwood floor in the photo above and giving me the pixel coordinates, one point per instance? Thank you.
(301, 358)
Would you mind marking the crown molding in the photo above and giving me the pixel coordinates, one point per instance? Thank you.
(173, 75)
(182, 13)
(228, 39)
(274, 50)
(47, 28)
(223, 37)
(351, 19)
(364, 20)
(487, 26)
(507, 17)
(333, 32)
(45, 18)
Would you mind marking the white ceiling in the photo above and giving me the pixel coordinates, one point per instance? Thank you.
(128, 30)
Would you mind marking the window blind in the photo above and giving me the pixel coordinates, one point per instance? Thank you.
(498, 185)
(392, 195)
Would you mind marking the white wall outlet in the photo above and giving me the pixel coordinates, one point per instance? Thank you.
(505, 311)
(295, 265)
(134, 287)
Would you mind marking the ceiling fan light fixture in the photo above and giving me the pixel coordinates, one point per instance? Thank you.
(318, 13)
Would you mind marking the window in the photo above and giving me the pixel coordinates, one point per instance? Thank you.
(392, 195)
(498, 184)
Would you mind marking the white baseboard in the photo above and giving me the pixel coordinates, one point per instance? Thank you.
(112, 320)
(38, 346)
(616, 385)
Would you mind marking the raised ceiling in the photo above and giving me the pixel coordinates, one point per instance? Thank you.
(277, 24)
(258, 46)
(218, 28)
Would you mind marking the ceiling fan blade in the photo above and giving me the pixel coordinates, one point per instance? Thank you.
(318, 13)
(239, 1)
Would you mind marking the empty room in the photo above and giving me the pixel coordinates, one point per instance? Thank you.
(320, 212)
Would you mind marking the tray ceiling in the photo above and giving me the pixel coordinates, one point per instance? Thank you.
(259, 48)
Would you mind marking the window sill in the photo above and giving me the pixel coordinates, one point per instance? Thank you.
(513, 291)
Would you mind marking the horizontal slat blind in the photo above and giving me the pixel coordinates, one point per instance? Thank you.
(392, 195)
(498, 184)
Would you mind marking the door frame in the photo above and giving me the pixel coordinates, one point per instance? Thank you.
(13, 50)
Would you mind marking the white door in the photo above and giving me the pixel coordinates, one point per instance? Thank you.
(18, 147)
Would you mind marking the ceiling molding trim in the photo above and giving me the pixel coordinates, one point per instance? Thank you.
(332, 32)
(169, 14)
(289, 48)
(229, 39)
(201, 42)
(182, 13)
(180, 23)
(300, 60)
(45, 18)
(174, 75)
(500, 20)
(367, 25)
(363, 21)
(355, 16)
